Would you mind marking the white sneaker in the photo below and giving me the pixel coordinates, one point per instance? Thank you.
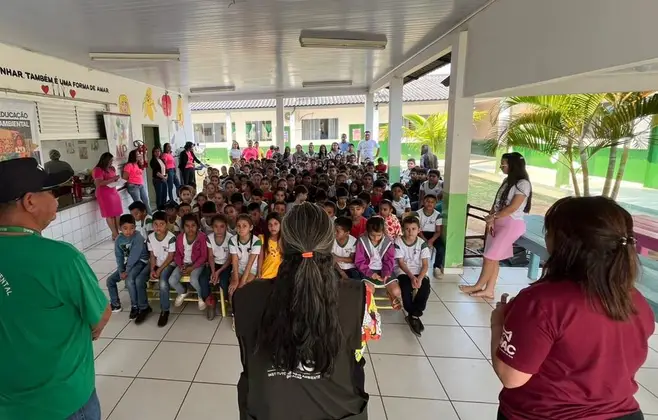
(180, 299)
(438, 273)
(202, 305)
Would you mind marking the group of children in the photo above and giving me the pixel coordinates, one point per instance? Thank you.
(229, 234)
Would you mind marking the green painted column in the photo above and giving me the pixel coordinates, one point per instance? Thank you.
(458, 154)
(651, 174)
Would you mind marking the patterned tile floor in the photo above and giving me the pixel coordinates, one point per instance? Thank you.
(189, 368)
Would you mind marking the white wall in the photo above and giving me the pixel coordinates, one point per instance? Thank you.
(25, 61)
(351, 114)
(521, 42)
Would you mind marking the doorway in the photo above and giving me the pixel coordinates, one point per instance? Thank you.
(151, 136)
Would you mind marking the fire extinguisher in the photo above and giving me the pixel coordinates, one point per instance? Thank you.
(141, 150)
(77, 188)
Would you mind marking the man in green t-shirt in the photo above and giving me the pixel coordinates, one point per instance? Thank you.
(51, 307)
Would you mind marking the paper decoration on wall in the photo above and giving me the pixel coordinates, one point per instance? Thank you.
(124, 104)
(149, 105)
(82, 149)
(70, 148)
(119, 135)
(94, 145)
(179, 110)
(165, 104)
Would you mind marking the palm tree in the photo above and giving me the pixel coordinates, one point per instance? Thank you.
(431, 131)
(575, 127)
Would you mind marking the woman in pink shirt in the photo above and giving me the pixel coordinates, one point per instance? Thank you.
(170, 164)
(106, 194)
(250, 153)
(134, 176)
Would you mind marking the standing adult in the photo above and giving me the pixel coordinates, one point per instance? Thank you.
(55, 164)
(428, 160)
(286, 157)
(569, 346)
(368, 149)
(335, 151)
(186, 162)
(250, 153)
(107, 195)
(299, 153)
(505, 223)
(134, 176)
(236, 153)
(170, 164)
(260, 152)
(343, 143)
(159, 174)
(51, 307)
(300, 332)
(311, 152)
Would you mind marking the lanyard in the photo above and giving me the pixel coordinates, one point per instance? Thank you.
(18, 229)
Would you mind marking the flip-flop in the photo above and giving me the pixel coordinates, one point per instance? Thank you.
(481, 294)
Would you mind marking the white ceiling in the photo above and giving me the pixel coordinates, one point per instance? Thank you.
(253, 44)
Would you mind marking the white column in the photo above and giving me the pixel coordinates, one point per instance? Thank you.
(375, 124)
(291, 128)
(280, 123)
(395, 129)
(458, 155)
(370, 111)
(229, 130)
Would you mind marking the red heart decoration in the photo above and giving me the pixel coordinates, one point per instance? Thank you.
(45, 89)
(72, 92)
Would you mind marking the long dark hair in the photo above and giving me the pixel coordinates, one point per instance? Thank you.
(300, 324)
(590, 241)
(322, 153)
(104, 161)
(154, 160)
(132, 156)
(515, 172)
(267, 235)
(166, 148)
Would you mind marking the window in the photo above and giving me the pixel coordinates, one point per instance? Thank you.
(259, 130)
(320, 129)
(211, 133)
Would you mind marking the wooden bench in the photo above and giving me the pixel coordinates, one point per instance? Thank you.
(533, 242)
(193, 296)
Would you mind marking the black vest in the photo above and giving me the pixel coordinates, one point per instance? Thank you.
(265, 393)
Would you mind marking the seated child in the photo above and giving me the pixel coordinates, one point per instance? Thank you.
(387, 212)
(244, 249)
(208, 211)
(173, 221)
(368, 211)
(271, 252)
(375, 259)
(330, 208)
(301, 194)
(218, 253)
(265, 187)
(260, 226)
(231, 218)
(358, 221)
(200, 200)
(161, 244)
(280, 207)
(342, 206)
(191, 257)
(431, 224)
(186, 194)
(400, 201)
(237, 201)
(381, 166)
(413, 255)
(143, 222)
(344, 249)
(257, 197)
(219, 201)
(132, 266)
(377, 192)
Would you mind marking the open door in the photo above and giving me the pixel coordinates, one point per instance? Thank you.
(151, 136)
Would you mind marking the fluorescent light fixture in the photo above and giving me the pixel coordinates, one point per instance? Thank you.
(115, 56)
(327, 83)
(212, 89)
(342, 39)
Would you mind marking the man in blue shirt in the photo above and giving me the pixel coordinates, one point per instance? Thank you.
(344, 145)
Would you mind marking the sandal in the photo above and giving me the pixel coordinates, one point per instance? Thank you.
(465, 288)
(482, 294)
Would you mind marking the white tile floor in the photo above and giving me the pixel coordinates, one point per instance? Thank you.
(189, 368)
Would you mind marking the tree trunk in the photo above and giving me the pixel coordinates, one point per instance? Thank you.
(610, 173)
(584, 167)
(574, 180)
(620, 172)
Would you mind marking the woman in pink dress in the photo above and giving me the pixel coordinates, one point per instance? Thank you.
(107, 196)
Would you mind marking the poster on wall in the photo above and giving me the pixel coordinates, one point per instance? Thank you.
(356, 134)
(119, 135)
(18, 130)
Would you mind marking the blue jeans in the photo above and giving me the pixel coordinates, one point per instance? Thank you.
(90, 411)
(138, 193)
(198, 281)
(160, 187)
(165, 304)
(172, 180)
(135, 283)
(224, 278)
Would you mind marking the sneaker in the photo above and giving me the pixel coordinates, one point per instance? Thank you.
(180, 299)
(438, 273)
(202, 305)
(141, 316)
(133, 313)
(115, 308)
(420, 323)
(164, 318)
(414, 325)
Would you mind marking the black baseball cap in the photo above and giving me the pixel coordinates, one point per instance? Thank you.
(21, 176)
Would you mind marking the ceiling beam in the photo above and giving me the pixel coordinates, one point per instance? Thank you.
(426, 54)
(303, 93)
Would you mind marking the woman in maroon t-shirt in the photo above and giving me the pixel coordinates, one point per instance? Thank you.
(568, 346)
